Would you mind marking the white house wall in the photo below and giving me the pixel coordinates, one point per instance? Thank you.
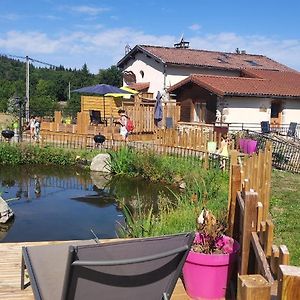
(246, 110)
(153, 71)
(254, 110)
(291, 111)
(176, 74)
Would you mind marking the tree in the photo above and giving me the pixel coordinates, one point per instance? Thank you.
(112, 76)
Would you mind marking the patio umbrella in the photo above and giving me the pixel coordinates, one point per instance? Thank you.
(158, 111)
(100, 89)
(128, 89)
(126, 94)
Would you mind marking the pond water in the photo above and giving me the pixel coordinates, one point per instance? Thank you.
(57, 203)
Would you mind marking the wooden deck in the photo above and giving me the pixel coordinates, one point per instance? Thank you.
(10, 270)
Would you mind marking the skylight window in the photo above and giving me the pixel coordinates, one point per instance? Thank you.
(253, 63)
(221, 60)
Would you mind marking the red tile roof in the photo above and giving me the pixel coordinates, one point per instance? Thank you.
(261, 83)
(139, 86)
(203, 58)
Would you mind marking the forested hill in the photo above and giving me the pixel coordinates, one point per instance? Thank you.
(48, 85)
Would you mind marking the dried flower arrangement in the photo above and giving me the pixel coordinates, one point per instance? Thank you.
(210, 236)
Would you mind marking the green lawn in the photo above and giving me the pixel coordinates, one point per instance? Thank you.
(285, 211)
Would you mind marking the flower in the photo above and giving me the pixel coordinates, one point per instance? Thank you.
(210, 237)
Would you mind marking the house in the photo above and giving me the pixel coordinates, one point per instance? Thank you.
(214, 86)
(158, 68)
(254, 96)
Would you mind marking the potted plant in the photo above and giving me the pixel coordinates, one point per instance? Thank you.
(207, 270)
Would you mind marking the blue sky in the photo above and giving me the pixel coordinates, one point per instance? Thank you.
(71, 33)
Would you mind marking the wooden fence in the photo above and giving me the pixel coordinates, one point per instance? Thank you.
(286, 150)
(196, 139)
(142, 115)
(263, 266)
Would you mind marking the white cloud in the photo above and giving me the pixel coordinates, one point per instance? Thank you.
(9, 17)
(284, 51)
(30, 42)
(50, 17)
(195, 27)
(103, 47)
(88, 10)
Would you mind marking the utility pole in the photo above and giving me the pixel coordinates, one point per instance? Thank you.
(27, 89)
(69, 94)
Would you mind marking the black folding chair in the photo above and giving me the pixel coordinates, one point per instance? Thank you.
(292, 130)
(132, 269)
(265, 127)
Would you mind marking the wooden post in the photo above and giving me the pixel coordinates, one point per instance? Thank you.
(284, 255)
(288, 282)
(206, 154)
(235, 187)
(274, 260)
(260, 258)
(57, 117)
(249, 225)
(233, 161)
(259, 215)
(269, 237)
(252, 287)
(267, 186)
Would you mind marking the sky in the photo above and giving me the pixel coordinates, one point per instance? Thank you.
(95, 32)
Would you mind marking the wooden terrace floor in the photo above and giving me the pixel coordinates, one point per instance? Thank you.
(10, 270)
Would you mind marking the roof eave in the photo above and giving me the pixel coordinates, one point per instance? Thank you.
(132, 52)
(191, 79)
(230, 94)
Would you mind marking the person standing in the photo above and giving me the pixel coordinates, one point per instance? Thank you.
(123, 122)
(32, 126)
(223, 151)
(37, 129)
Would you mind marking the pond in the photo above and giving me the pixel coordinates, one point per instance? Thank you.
(58, 203)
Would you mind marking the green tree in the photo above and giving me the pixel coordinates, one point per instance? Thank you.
(112, 76)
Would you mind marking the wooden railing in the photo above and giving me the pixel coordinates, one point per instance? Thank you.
(262, 265)
(196, 139)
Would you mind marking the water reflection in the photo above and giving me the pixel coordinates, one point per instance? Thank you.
(4, 228)
(66, 203)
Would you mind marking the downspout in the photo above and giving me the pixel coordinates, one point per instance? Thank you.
(220, 107)
(165, 78)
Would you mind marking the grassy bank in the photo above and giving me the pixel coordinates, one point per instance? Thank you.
(15, 154)
(179, 215)
(285, 202)
(285, 211)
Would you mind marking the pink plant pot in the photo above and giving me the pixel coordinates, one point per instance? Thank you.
(242, 145)
(251, 146)
(206, 276)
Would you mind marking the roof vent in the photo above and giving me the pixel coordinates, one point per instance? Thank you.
(182, 44)
(127, 49)
(238, 51)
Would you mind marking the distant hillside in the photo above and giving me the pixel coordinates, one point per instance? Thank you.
(48, 85)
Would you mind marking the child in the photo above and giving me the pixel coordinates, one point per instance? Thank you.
(223, 151)
(37, 129)
(123, 122)
(32, 126)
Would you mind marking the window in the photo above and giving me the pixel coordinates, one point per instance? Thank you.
(222, 60)
(142, 73)
(200, 112)
(253, 63)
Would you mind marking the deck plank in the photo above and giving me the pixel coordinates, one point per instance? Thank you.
(10, 270)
